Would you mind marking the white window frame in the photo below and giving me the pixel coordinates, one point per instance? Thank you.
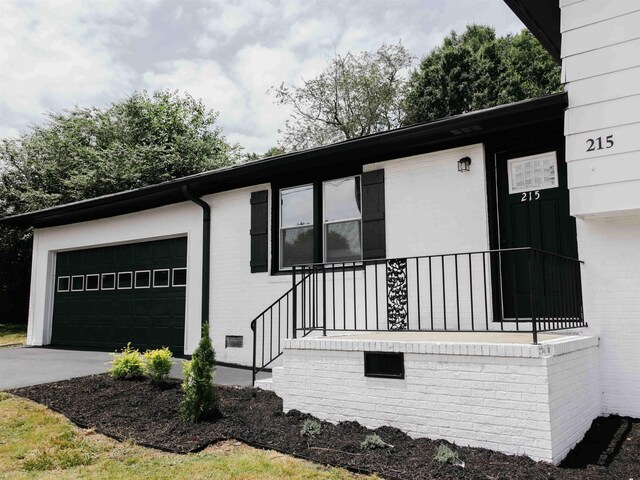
(331, 222)
(513, 189)
(281, 228)
(125, 288)
(71, 284)
(173, 277)
(86, 282)
(102, 281)
(58, 289)
(135, 279)
(168, 278)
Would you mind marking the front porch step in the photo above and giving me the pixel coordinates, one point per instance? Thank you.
(267, 383)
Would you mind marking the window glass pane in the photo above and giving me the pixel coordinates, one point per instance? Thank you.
(179, 277)
(77, 283)
(63, 284)
(297, 246)
(161, 278)
(125, 280)
(143, 279)
(342, 241)
(296, 206)
(108, 281)
(93, 282)
(342, 199)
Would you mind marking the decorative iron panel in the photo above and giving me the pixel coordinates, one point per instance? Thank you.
(397, 310)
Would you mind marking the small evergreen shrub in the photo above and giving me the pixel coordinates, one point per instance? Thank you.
(444, 454)
(127, 364)
(371, 442)
(158, 364)
(200, 400)
(311, 428)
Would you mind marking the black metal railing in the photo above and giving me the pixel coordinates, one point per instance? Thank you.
(519, 289)
(274, 324)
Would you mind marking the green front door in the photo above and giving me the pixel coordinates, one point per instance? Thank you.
(106, 297)
(533, 205)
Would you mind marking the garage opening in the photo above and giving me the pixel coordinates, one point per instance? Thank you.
(108, 296)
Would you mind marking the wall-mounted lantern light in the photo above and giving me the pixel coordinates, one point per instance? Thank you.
(463, 164)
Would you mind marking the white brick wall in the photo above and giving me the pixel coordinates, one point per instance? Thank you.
(237, 295)
(181, 219)
(517, 399)
(610, 250)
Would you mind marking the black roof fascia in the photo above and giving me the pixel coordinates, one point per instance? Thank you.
(445, 133)
(542, 18)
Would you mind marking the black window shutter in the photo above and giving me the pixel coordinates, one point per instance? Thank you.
(373, 234)
(259, 231)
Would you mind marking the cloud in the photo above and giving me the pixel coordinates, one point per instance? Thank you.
(248, 114)
(55, 54)
(203, 79)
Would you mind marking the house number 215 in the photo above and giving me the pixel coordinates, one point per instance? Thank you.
(598, 144)
(529, 196)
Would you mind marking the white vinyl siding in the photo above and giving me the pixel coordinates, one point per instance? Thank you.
(602, 88)
(581, 13)
(602, 61)
(622, 111)
(601, 34)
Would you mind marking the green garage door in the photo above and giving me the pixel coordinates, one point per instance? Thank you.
(106, 297)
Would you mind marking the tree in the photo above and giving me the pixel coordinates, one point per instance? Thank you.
(200, 401)
(245, 157)
(355, 95)
(478, 70)
(87, 152)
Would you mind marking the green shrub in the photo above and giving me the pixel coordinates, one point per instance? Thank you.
(158, 364)
(444, 454)
(311, 428)
(371, 442)
(200, 400)
(127, 364)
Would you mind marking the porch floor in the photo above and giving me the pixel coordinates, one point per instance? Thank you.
(454, 337)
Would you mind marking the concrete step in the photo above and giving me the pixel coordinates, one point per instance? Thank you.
(265, 383)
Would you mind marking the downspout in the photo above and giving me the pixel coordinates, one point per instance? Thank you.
(206, 250)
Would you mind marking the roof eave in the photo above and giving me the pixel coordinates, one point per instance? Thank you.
(460, 129)
(542, 18)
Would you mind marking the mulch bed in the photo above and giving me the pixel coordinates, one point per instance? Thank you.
(138, 411)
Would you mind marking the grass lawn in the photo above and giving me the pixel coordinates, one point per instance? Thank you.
(12, 333)
(36, 443)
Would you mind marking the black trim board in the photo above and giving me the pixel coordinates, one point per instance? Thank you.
(449, 132)
(542, 18)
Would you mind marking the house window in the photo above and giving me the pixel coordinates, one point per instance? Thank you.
(321, 222)
(108, 281)
(296, 226)
(63, 284)
(161, 278)
(125, 280)
(143, 279)
(342, 220)
(179, 277)
(93, 282)
(77, 283)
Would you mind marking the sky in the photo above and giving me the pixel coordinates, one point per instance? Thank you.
(55, 54)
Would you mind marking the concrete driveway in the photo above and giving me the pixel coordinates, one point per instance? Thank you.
(25, 366)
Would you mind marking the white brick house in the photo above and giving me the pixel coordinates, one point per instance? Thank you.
(475, 234)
